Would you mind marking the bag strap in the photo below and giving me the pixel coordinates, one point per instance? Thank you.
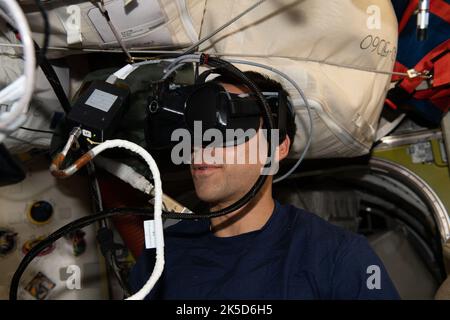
(432, 60)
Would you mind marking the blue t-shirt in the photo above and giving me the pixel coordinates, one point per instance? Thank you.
(296, 255)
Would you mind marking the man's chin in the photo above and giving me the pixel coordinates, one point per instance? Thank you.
(207, 197)
(207, 194)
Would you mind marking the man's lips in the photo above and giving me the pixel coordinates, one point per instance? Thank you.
(201, 169)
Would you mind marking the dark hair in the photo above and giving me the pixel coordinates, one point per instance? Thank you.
(264, 83)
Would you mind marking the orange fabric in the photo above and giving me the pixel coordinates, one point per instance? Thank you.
(116, 194)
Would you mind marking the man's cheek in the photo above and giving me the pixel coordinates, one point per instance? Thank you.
(229, 155)
(239, 155)
(196, 156)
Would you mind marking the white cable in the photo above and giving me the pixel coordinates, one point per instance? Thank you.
(159, 230)
(96, 188)
(168, 72)
(181, 59)
(20, 91)
(225, 25)
(179, 62)
(12, 119)
(138, 181)
(14, 90)
(186, 20)
(159, 233)
(125, 71)
(125, 173)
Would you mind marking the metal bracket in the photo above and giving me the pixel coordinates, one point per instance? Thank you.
(445, 124)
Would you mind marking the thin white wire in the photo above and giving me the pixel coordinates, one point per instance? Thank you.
(220, 54)
(308, 108)
(177, 63)
(175, 68)
(180, 59)
(13, 118)
(225, 25)
(125, 173)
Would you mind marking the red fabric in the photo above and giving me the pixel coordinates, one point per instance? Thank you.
(410, 9)
(425, 64)
(441, 9)
(442, 71)
(440, 98)
(129, 227)
(391, 104)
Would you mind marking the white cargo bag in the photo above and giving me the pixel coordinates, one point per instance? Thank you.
(140, 23)
(336, 50)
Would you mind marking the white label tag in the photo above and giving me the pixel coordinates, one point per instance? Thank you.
(421, 152)
(149, 232)
(125, 71)
(86, 133)
(443, 152)
(101, 100)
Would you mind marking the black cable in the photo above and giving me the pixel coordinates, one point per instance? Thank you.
(94, 188)
(108, 247)
(61, 232)
(53, 79)
(81, 223)
(105, 237)
(268, 122)
(113, 265)
(43, 51)
(38, 130)
(48, 70)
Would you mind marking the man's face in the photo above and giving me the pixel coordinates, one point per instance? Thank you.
(235, 172)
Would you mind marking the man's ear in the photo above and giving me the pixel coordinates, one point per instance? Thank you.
(283, 148)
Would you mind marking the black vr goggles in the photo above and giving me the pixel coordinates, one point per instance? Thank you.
(208, 105)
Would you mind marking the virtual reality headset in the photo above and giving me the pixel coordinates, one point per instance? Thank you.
(208, 105)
